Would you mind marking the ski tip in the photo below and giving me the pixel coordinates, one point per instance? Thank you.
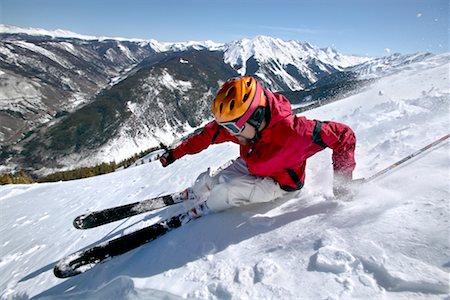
(63, 273)
(84, 222)
(69, 266)
(77, 223)
(58, 273)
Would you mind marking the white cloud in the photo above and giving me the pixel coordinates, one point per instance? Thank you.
(419, 15)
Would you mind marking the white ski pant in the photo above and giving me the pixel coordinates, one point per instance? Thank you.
(233, 185)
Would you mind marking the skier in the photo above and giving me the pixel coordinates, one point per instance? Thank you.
(274, 147)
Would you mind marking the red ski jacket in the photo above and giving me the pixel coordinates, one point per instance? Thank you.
(285, 144)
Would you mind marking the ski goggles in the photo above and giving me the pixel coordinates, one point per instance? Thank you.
(233, 127)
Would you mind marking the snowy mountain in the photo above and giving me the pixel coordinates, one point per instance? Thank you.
(59, 33)
(285, 65)
(383, 66)
(45, 77)
(391, 242)
(49, 74)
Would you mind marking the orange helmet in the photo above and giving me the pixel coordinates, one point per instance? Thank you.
(237, 100)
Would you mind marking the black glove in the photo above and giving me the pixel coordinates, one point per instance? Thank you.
(167, 158)
(343, 193)
(343, 186)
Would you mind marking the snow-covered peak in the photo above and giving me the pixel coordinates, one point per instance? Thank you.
(331, 56)
(60, 33)
(264, 48)
(156, 45)
(383, 66)
(183, 46)
(8, 29)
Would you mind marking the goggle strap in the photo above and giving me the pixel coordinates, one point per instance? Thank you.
(253, 106)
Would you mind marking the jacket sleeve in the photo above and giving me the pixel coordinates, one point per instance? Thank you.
(212, 133)
(341, 139)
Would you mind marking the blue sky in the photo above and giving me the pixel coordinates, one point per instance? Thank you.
(363, 27)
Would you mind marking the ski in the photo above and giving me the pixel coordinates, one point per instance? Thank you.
(85, 260)
(109, 215)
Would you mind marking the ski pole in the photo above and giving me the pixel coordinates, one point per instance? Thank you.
(379, 173)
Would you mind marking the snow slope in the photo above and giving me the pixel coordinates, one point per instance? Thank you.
(391, 242)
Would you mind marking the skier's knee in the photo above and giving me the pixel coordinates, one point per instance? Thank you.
(218, 199)
(203, 185)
